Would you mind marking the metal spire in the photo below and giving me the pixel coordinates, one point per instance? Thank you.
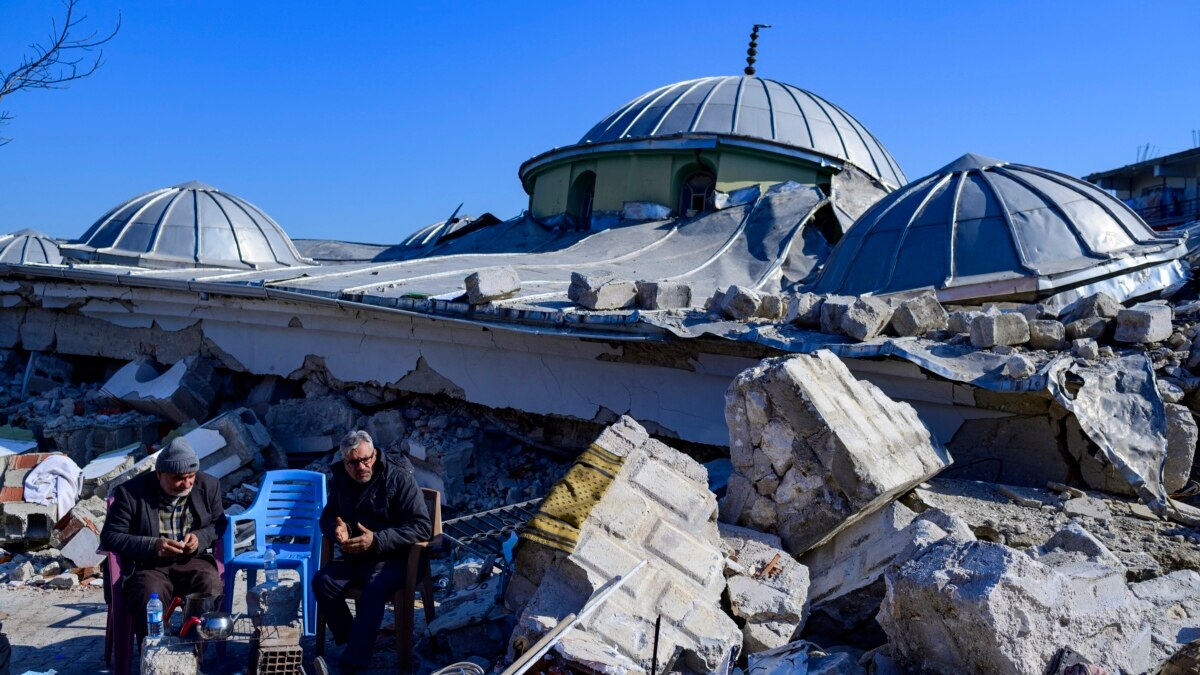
(753, 50)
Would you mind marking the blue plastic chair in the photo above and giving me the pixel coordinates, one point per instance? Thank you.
(287, 509)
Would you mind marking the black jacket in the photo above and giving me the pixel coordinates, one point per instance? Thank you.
(390, 505)
(131, 527)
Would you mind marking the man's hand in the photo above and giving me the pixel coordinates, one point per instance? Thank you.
(360, 544)
(190, 543)
(342, 533)
(167, 548)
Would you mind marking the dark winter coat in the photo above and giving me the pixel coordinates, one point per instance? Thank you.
(390, 505)
(131, 527)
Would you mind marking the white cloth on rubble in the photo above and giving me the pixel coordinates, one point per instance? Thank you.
(57, 480)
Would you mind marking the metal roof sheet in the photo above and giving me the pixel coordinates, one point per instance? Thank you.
(192, 224)
(751, 107)
(979, 219)
(29, 246)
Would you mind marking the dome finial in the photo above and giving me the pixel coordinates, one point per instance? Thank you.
(753, 50)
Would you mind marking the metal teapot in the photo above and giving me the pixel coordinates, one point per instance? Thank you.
(211, 625)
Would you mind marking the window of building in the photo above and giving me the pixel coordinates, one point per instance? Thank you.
(696, 193)
(580, 198)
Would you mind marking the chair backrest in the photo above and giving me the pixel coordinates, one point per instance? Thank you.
(433, 504)
(288, 506)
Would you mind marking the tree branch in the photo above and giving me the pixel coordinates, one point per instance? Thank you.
(59, 60)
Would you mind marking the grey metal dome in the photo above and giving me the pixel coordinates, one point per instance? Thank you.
(192, 224)
(29, 246)
(979, 227)
(750, 107)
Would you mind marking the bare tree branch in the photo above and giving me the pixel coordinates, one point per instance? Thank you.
(59, 60)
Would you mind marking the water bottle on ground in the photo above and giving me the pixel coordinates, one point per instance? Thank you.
(154, 617)
(271, 566)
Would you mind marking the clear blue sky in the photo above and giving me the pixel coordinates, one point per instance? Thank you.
(367, 120)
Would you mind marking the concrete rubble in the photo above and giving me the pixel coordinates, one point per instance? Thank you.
(491, 284)
(181, 393)
(655, 507)
(601, 291)
(766, 588)
(814, 449)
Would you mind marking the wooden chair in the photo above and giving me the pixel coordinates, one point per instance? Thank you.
(404, 601)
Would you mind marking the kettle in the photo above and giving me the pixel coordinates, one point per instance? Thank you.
(211, 625)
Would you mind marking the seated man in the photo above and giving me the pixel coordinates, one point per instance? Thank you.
(161, 524)
(375, 512)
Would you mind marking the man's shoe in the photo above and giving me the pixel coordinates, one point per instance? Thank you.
(320, 666)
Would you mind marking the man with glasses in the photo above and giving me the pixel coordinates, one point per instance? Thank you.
(374, 513)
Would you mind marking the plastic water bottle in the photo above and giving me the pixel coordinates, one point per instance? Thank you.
(154, 617)
(270, 566)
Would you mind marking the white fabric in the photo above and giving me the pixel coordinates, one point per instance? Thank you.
(57, 480)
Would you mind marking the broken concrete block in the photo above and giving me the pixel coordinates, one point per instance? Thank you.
(169, 655)
(1085, 348)
(181, 393)
(98, 472)
(866, 318)
(960, 321)
(1019, 367)
(1182, 435)
(311, 425)
(634, 499)
(64, 581)
(833, 447)
(493, 283)
(1144, 322)
(804, 309)
(1097, 306)
(387, 428)
(77, 534)
(22, 573)
(275, 604)
(984, 607)
(601, 291)
(772, 307)
(1047, 334)
(769, 592)
(741, 304)
(989, 330)
(1092, 327)
(917, 316)
(1172, 606)
(45, 372)
(653, 295)
(30, 523)
(833, 308)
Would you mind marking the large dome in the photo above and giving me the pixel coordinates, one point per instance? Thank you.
(980, 227)
(750, 107)
(192, 224)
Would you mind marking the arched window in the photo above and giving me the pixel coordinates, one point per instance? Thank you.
(579, 199)
(696, 193)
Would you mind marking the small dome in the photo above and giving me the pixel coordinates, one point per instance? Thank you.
(192, 224)
(979, 220)
(29, 246)
(750, 107)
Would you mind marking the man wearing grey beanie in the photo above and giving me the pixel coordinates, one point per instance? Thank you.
(162, 524)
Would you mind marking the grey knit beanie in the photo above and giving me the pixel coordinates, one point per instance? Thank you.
(178, 457)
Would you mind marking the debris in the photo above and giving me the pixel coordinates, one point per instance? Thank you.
(989, 330)
(1085, 348)
(814, 449)
(22, 573)
(866, 318)
(275, 604)
(740, 303)
(654, 295)
(801, 658)
(832, 310)
(1019, 367)
(1095, 306)
(1047, 334)
(984, 607)
(493, 283)
(627, 497)
(1144, 322)
(169, 655)
(77, 534)
(182, 393)
(309, 426)
(917, 316)
(746, 195)
(771, 599)
(98, 472)
(804, 309)
(601, 291)
(1093, 327)
(45, 372)
(66, 580)
(961, 320)
(645, 211)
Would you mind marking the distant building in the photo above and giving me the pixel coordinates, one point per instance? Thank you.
(1164, 191)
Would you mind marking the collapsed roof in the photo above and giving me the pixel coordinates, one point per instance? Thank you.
(187, 225)
(980, 228)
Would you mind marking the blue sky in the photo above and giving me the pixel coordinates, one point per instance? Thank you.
(369, 120)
